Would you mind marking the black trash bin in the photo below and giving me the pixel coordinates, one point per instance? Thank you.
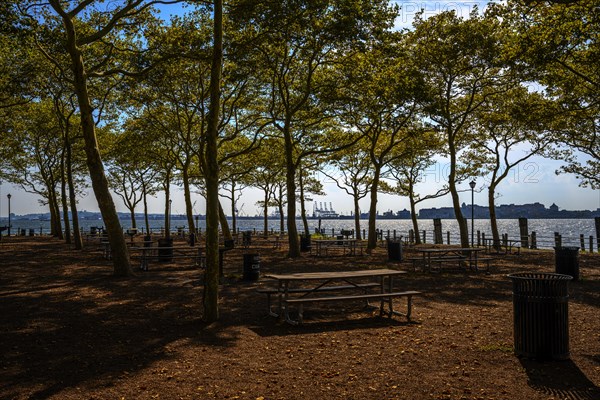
(541, 315)
(567, 261)
(251, 267)
(394, 248)
(246, 238)
(165, 250)
(305, 243)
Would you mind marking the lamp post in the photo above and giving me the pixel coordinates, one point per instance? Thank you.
(8, 196)
(472, 185)
(169, 219)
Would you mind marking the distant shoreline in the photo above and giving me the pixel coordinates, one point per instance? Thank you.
(160, 217)
(503, 211)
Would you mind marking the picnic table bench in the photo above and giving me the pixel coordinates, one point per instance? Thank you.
(385, 298)
(329, 282)
(275, 291)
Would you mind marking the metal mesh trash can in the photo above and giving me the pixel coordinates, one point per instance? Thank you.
(394, 248)
(567, 261)
(541, 315)
(251, 267)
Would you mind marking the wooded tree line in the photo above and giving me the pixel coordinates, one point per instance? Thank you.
(107, 96)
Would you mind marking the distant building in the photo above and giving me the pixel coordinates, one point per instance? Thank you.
(508, 211)
(320, 211)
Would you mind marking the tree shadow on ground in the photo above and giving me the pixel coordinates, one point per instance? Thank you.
(96, 329)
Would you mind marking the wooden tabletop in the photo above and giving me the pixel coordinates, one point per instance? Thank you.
(335, 274)
(442, 250)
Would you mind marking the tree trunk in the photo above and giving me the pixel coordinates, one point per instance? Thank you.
(224, 224)
(266, 215)
(281, 213)
(357, 218)
(53, 198)
(72, 198)
(63, 198)
(132, 216)
(303, 206)
(54, 217)
(167, 183)
(413, 215)
(211, 277)
(65, 208)
(233, 208)
(462, 222)
(189, 212)
(145, 197)
(493, 219)
(372, 238)
(116, 238)
(294, 243)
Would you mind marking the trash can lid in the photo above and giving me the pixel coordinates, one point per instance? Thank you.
(539, 276)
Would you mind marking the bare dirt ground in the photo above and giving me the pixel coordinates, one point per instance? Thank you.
(70, 330)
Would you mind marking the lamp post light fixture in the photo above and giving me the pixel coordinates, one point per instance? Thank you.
(472, 185)
(8, 196)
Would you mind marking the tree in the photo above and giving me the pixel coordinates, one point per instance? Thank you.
(509, 129)
(268, 172)
(211, 167)
(460, 62)
(381, 100)
(417, 154)
(100, 44)
(307, 184)
(20, 69)
(72, 161)
(296, 43)
(352, 171)
(557, 45)
(34, 140)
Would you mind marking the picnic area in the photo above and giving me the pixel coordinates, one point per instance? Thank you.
(70, 330)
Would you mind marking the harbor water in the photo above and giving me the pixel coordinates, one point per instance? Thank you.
(545, 229)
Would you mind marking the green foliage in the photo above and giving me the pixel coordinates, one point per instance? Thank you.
(557, 44)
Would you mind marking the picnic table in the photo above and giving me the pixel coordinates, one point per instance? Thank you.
(437, 256)
(507, 245)
(322, 246)
(149, 253)
(296, 289)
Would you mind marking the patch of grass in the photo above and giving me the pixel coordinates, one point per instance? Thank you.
(502, 347)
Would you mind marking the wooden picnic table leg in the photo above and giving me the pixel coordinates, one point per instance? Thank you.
(390, 290)
(144, 260)
(280, 298)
